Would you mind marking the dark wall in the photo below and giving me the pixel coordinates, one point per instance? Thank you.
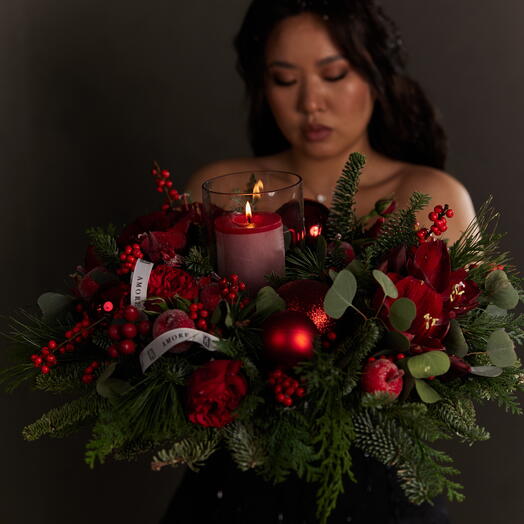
(92, 91)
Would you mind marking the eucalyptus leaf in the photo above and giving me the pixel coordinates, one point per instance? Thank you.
(494, 311)
(52, 304)
(500, 290)
(268, 301)
(228, 321)
(387, 285)
(111, 388)
(402, 313)
(341, 294)
(321, 248)
(429, 364)
(455, 342)
(426, 393)
(357, 268)
(486, 371)
(501, 349)
(397, 341)
(332, 274)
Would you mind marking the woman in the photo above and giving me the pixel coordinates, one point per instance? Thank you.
(324, 79)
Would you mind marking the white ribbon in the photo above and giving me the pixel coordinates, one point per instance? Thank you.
(139, 282)
(168, 340)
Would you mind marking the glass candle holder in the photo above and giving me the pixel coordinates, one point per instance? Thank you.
(250, 216)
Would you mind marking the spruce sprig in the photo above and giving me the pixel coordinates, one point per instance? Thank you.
(246, 446)
(197, 262)
(104, 242)
(343, 220)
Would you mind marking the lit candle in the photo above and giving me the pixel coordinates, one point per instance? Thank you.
(250, 245)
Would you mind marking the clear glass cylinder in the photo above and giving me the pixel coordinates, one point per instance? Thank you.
(251, 216)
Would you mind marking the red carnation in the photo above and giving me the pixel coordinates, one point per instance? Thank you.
(214, 391)
(166, 282)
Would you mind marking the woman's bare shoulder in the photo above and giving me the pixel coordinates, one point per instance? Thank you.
(217, 168)
(443, 188)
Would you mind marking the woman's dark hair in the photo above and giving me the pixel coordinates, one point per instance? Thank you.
(403, 124)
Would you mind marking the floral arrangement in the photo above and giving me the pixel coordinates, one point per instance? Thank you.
(378, 336)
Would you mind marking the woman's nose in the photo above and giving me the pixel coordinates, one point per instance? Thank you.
(311, 97)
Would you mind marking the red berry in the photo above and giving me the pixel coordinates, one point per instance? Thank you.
(131, 314)
(51, 360)
(129, 330)
(52, 344)
(241, 286)
(144, 327)
(193, 307)
(287, 401)
(44, 370)
(289, 391)
(400, 356)
(165, 173)
(277, 373)
(450, 213)
(38, 362)
(280, 397)
(44, 351)
(114, 332)
(69, 347)
(204, 313)
(435, 230)
(433, 216)
(112, 352)
(300, 392)
(438, 209)
(278, 388)
(443, 228)
(87, 379)
(201, 324)
(371, 359)
(79, 308)
(193, 315)
(127, 347)
(421, 234)
(332, 335)
(232, 297)
(233, 277)
(88, 370)
(127, 250)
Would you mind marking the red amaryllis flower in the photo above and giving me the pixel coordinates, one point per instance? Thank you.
(432, 264)
(214, 391)
(167, 281)
(463, 293)
(158, 221)
(162, 246)
(431, 322)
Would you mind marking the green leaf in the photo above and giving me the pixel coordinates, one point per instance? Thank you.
(268, 301)
(321, 248)
(426, 393)
(397, 341)
(52, 304)
(341, 294)
(429, 364)
(500, 290)
(387, 285)
(500, 349)
(486, 371)
(455, 342)
(402, 313)
(332, 274)
(111, 388)
(494, 311)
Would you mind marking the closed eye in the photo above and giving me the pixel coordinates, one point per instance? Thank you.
(336, 78)
(284, 83)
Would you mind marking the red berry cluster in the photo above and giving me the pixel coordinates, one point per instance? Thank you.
(438, 217)
(88, 375)
(199, 315)
(128, 258)
(165, 185)
(81, 331)
(124, 332)
(231, 287)
(285, 387)
(391, 358)
(328, 339)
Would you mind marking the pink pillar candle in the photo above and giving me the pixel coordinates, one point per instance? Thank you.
(250, 248)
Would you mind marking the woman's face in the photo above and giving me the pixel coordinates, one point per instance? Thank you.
(321, 105)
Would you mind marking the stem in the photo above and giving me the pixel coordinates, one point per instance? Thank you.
(359, 312)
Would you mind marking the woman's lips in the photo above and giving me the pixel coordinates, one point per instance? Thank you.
(316, 132)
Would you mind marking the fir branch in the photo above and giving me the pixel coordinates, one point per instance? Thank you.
(66, 377)
(304, 264)
(65, 419)
(343, 220)
(461, 419)
(246, 447)
(397, 230)
(393, 440)
(197, 262)
(104, 242)
(191, 451)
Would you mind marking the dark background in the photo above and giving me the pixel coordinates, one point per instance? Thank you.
(92, 91)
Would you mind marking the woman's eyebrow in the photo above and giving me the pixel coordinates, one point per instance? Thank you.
(321, 62)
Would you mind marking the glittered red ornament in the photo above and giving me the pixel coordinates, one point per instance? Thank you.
(289, 338)
(307, 296)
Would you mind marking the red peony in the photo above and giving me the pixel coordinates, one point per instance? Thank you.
(166, 282)
(214, 391)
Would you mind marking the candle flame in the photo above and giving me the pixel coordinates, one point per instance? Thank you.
(257, 188)
(249, 214)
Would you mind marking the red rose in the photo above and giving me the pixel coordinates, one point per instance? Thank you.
(166, 282)
(214, 391)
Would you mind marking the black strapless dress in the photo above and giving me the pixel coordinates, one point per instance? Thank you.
(221, 494)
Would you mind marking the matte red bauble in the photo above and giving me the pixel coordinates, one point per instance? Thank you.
(307, 296)
(289, 338)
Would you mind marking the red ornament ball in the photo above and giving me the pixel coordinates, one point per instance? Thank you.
(307, 297)
(289, 338)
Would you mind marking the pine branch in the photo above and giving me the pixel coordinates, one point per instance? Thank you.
(197, 262)
(397, 230)
(192, 451)
(460, 417)
(304, 264)
(63, 378)
(104, 242)
(65, 419)
(245, 445)
(343, 220)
